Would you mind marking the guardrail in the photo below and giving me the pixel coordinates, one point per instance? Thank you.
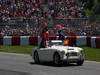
(31, 40)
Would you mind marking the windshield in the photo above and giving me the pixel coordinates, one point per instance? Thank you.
(56, 43)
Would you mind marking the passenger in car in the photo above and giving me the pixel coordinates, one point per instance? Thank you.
(61, 35)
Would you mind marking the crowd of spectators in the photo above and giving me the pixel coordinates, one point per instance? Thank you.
(18, 31)
(84, 29)
(39, 8)
(43, 9)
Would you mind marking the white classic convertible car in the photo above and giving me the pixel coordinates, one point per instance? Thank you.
(57, 52)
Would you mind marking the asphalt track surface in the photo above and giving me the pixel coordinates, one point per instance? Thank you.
(20, 64)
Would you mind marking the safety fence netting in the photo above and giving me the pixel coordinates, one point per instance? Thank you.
(34, 27)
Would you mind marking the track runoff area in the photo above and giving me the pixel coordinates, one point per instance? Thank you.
(23, 64)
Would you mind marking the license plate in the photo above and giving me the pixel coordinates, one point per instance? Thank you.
(71, 57)
(72, 54)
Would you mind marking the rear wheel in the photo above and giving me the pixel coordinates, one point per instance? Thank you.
(36, 57)
(56, 59)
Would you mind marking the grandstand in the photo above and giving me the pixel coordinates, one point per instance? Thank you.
(26, 17)
(41, 8)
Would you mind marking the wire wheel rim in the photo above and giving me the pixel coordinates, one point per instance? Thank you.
(56, 59)
(36, 57)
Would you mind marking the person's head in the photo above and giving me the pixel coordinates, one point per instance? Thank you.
(59, 31)
(45, 29)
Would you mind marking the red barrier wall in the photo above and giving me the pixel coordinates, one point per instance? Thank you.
(15, 40)
(52, 38)
(97, 42)
(33, 40)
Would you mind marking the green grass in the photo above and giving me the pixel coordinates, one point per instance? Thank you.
(90, 53)
(16, 49)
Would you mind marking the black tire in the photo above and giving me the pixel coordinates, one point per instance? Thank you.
(36, 57)
(80, 63)
(56, 59)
